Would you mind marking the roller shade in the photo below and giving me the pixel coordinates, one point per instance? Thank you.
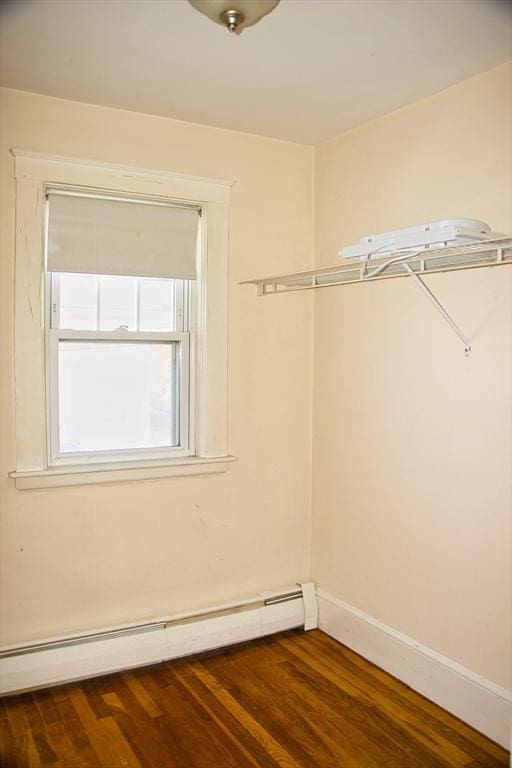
(97, 235)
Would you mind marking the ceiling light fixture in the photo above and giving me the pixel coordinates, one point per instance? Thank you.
(235, 15)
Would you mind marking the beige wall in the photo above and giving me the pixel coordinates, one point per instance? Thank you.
(85, 557)
(411, 447)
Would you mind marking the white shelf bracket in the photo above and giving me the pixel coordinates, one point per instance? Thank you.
(428, 293)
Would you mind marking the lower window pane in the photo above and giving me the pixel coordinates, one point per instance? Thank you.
(118, 395)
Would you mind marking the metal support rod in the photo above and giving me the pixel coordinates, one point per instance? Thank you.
(428, 293)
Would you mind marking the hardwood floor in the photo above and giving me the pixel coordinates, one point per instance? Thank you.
(296, 699)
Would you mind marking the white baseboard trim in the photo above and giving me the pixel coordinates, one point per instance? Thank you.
(76, 658)
(472, 698)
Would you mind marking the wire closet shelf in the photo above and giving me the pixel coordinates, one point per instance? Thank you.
(485, 253)
(412, 263)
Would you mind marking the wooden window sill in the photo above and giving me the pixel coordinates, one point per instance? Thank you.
(121, 472)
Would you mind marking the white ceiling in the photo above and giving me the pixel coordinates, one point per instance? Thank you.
(308, 71)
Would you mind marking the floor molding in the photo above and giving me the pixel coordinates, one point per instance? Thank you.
(472, 698)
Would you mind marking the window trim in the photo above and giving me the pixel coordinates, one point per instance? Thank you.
(35, 173)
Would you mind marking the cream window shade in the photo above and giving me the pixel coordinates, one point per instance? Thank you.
(102, 236)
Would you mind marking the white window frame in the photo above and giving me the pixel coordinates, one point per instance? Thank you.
(35, 174)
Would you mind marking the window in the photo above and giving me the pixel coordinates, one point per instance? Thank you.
(121, 323)
(118, 369)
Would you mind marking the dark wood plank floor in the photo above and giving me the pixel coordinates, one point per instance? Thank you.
(296, 699)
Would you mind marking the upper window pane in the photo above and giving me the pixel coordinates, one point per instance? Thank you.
(105, 303)
(118, 303)
(157, 305)
(77, 302)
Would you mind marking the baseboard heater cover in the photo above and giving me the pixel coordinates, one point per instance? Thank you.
(75, 657)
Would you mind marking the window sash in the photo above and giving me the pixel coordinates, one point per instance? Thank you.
(181, 302)
(185, 375)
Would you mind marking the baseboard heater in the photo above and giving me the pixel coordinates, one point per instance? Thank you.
(64, 659)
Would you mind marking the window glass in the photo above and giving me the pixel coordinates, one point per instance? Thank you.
(157, 305)
(117, 395)
(118, 303)
(110, 303)
(77, 299)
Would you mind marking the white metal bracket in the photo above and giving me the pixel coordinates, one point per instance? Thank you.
(428, 293)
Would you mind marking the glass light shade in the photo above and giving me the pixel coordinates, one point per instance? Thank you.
(244, 14)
